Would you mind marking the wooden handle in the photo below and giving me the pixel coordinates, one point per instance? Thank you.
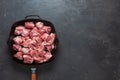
(33, 74)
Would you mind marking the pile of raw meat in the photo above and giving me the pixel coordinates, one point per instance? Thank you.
(33, 42)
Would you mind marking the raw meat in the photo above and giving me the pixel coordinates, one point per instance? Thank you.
(47, 29)
(18, 40)
(44, 36)
(39, 59)
(28, 59)
(33, 42)
(34, 32)
(47, 56)
(17, 47)
(19, 30)
(25, 50)
(19, 55)
(50, 47)
(29, 25)
(25, 32)
(39, 25)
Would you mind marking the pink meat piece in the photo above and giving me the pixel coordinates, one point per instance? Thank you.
(44, 36)
(50, 39)
(17, 47)
(41, 31)
(47, 56)
(39, 59)
(38, 56)
(34, 32)
(39, 48)
(28, 59)
(18, 40)
(44, 29)
(29, 25)
(29, 42)
(32, 53)
(25, 44)
(38, 39)
(25, 50)
(47, 29)
(39, 25)
(25, 38)
(19, 30)
(50, 47)
(41, 53)
(19, 55)
(25, 32)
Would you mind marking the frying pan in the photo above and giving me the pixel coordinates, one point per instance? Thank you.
(10, 42)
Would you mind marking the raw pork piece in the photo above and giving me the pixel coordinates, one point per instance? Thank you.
(17, 47)
(39, 25)
(19, 55)
(47, 56)
(29, 25)
(18, 40)
(28, 59)
(19, 30)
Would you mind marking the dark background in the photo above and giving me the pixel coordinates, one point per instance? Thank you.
(88, 32)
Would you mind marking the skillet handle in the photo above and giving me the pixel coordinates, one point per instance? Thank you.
(33, 74)
(32, 16)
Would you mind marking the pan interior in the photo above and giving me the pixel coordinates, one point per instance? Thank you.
(10, 41)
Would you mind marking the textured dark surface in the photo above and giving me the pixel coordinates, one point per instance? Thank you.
(88, 32)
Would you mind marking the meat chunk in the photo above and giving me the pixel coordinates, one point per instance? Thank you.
(37, 39)
(19, 55)
(18, 40)
(25, 32)
(19, 30)
(34, 32)
(25, 50)
(41, 31)
(50, 47)
(17, 47)
(29, 25)
(39, 59)
(44, 36)
(47, 29)
(25, 38)
(40, 48)
(50, 39)
(39, 25)
(25, 44)
(32, 53)
(27, 59)
(31, 41)
(41, 53)
(47, 56)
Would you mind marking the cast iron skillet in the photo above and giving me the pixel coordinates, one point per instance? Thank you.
(10, 41)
